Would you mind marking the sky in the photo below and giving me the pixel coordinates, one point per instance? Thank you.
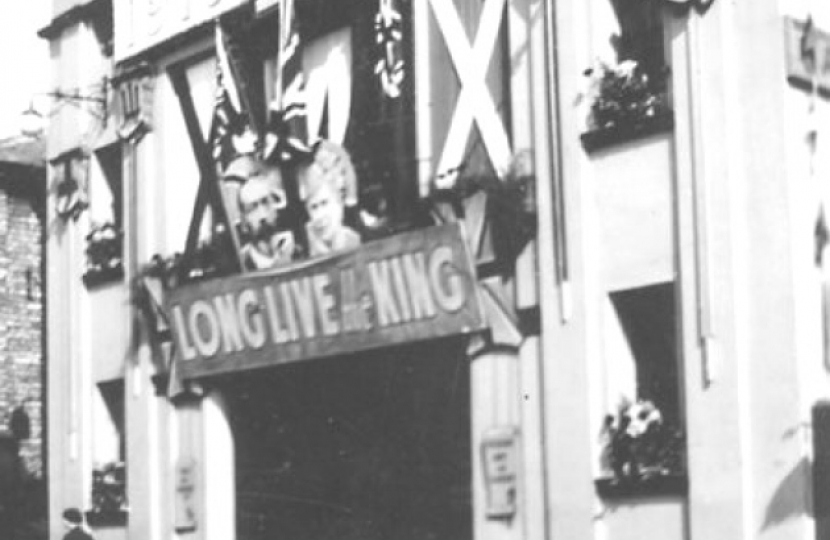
(24, 59)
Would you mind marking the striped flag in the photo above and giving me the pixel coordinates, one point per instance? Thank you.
(287, 125)
(230, 122)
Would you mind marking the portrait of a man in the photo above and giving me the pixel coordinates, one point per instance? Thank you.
(261, 197)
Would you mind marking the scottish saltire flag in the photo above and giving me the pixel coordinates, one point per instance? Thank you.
(230, 122)
(287, 124)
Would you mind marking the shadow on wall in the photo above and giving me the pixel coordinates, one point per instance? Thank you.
(792, 497)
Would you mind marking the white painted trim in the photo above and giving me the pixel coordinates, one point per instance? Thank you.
(423, 94)
(219, 479)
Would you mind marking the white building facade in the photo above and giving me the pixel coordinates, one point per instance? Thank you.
(576, 210)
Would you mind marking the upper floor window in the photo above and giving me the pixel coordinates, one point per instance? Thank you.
(627, 88)
(640, 36)
(104, 250)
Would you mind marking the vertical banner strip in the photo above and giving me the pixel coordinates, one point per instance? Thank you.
(423, 98)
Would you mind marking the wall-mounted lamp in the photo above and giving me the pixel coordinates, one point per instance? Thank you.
(33, 121)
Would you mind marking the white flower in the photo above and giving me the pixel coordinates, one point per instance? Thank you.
(642, 416)
(626, 68)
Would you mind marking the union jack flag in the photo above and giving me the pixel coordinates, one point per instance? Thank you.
(229, 121)
(287, 125)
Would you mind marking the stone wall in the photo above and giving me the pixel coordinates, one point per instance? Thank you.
(21, 316)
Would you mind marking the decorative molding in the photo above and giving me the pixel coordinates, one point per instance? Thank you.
(72, 16)
(134, 100)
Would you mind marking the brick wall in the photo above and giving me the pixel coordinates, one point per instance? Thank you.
(21, 315)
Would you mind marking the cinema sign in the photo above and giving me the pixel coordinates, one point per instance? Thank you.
(413, 286)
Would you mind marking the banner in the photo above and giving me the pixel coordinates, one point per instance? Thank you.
(409, 287)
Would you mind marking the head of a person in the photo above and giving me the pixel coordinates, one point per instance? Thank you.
(324, 201)
(260, 195)
(327, 185)
(72, 518)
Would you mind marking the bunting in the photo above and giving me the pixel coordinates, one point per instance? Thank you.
(287, 126)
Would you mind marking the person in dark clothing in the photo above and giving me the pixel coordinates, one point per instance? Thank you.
(73, 521)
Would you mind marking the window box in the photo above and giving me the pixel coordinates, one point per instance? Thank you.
(112, 518)
(597, 139)
(98, 276)
(648, 486)
(627, 100)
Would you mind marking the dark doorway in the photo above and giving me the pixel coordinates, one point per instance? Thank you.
(372, 446)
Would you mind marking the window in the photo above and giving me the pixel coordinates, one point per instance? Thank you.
(643, 445)
(107, 185)
(627, 93)
(640, 37)
(646, 318)
(109, 476)
(105, 238)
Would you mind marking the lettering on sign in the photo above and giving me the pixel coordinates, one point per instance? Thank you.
(808, 56)
(185, 507)
(141, 24)
(413, 286)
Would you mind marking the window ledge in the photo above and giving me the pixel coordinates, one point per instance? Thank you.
(113, 518)
(598, 139)
(95, 277)
(652, 486)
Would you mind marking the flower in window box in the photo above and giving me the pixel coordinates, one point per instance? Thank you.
(109, 489)
(624, 95)
(638, 443)
(103, 248)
